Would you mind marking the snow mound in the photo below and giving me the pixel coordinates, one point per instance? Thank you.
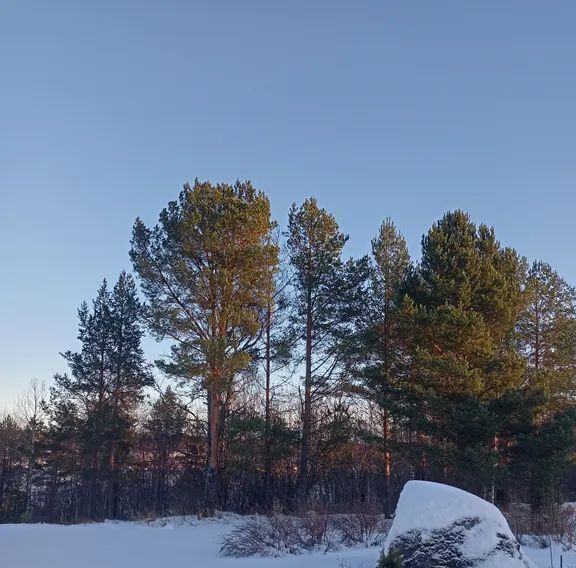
(440, 526)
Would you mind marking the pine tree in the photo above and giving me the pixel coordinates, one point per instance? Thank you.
(274, 352)
(383, 357)
(62, 453)
(205, 269)
(459, 312)
(12, 498)
(325, 292)
(106, 380)
(130, 375)
(391, 262)
(546, 334)
(88, 384)
(463, 302)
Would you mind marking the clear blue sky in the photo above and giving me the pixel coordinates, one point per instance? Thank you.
(379, 108)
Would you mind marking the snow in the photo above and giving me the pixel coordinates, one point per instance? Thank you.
(178, 543)
(172, 543)
(541, 557)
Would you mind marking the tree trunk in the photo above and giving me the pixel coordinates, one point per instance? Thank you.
(159, 479)
(113, 474)
(267, 418)
(29, 475)
(302, 484)
(112, 483)
(493, 484)
(213, 472)
(92, 502)
(387, 465)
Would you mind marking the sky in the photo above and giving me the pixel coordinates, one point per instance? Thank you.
(402, 109)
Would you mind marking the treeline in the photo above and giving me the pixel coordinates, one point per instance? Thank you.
(298, 378)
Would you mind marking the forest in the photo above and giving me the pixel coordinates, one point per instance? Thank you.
(296, 378)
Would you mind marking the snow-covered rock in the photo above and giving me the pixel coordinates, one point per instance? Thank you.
(439, 526)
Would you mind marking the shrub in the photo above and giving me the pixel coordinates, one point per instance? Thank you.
(360, 528)
(551, 521)
(280, 534)
(391, 560)
(317, 531)
(264, 536)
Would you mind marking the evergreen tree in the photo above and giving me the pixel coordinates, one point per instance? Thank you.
(62, 455)
(381, 348)
(106, 380)
(274, 352)
(459, 312)
(87, 385)
(391, 262)
(325, 292)
(542, 455)
(129, 376)
(546, 334)
(205, 269)
(12, 498)
(165, 426)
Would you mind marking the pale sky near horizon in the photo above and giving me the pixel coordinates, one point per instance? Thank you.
(379, 108)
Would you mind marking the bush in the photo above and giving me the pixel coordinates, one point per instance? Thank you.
(360, 528)
(264, 536)
(551, 521)
(280, 534)
(317, 531)
(391, 560)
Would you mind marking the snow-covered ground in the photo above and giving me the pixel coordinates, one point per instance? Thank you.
(175, 543)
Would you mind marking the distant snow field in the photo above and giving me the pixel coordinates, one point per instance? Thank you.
(173, 543)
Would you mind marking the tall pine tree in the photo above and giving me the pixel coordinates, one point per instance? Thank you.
(383, 356)
(459, 313)
(206, 271)
(326, 291)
